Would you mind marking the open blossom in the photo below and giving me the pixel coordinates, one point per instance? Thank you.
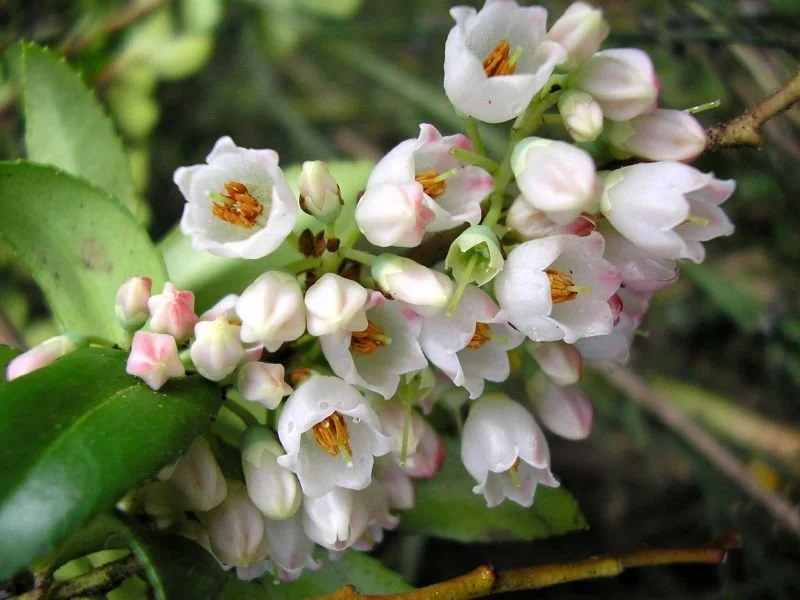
(331, 436)
(558, 288)
(505, 451)
(172, 312)
(641, 271)
(580, 30)
(43, 354)
(239, 204)
(337, 519)
(271, 310)
(667, 208)
(615, 346)
(497, 58)
(660, 135)
(418, 187)
(154, 358)
(290, 548)
(471, 345)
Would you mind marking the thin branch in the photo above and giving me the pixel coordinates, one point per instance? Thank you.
(745, 131)
(98, 581)
(485, 581)
(673, 417)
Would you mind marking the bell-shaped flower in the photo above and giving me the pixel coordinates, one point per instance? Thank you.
(198, 479)
(497, 58)
(531, 223)
(320, 195)
(615, 346)
(429, 455)
(438, 191)
(216, 350)
(403, 425)
(581, 115)
(580, 30)
(622, 80)
(566, 411)
(239, 204)
(475, 256)
(561, 362)
(337, 519)
(172, 312)
(558, 288)
(472, 344)
(667, 208)
(273, 489)
(335, 303)
(290, 549)
(659, 135)
(397, 484)
(271, 310)
(557, 178)
(376, 502)
(263, 383)
(641, 271)
(51, 350)
(131, 307)
(331, 436)
(504, 449)
(154, 358)
(424, 290)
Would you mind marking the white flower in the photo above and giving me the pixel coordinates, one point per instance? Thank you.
(376, 501)
(566, 411)
(559, 361)
(580, 30)
(496, 59)
(504, 449)
(392, 415)
(172, 312)
(660, 135)
(263, 383)
(557, 178)
(131, 305)
(216, 350)
(429, 455)
(622, 81)
(615, 346)
(558, 288)
(531, 223)
(471, 345)
(431, 190)
(271, 310)
(335, 303)
(581, 114)
(239, 205)
(289, 547)
(667, 208)
(236, 530)
(336, 520)
(641, 271)
(273, 489)
(424, 290)
(398, 485)
(330, 435)
(153, 358)
(198, 479)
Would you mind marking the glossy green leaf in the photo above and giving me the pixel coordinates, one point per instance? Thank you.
(77, 242)
(7, 354)
(66, 126)
(79, 434)
(447, 508)
(367, 574)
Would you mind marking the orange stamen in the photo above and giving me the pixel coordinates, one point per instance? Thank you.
(238, 206)
(430, 184)
(369, 340)
(560, 284)
(499, 61)
(482, 335)
(332, 435)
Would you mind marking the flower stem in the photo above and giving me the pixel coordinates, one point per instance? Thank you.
(473, 158)
(365, 258)
(304, 264)
(232, 404)
(471, 127)
(703, 107)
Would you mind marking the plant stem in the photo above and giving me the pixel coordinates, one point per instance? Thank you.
(365, 258)
(232, 404)
(473, 158)
(304, 264)
(471, 127)
(97, 581)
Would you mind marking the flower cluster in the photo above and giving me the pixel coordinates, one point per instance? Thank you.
(331, 364)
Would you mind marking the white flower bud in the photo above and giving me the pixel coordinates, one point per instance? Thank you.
(560, 362)
(580, 30)
(131, 305)
(337, 519)
(290, 548)
(217, 349)
(43, 354)
(426, 291)
(581, 114)
(263, 383)
(320, 196)
(236, 529)
(660, 135)
(198, 478)
(393, 214)
(566, 411)
(272, 310)
(273, 489)
(334, 303)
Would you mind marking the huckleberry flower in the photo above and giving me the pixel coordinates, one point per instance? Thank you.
(424, 290)
(336, 519)
(531, 223)
(273, 489)
(225, 307)
(581, 115)
(263, 383)
(471, 345)
(667, 208)
(131, 305)
(622, 81)
(615, 346)
(239, 204)
(497, 58)
(216, 350)
(561, 362)
(475, 256)
(558, 288)
(659, 135)
(641, 271)
(330, 435)
(289, 547)
(419, 186)
(504, 449)
(376, 503)
(580, 30)
(198, 479)
(172, 312)
(154, 358)
(320, 195)
(429, 455)
(397, 484)
(44, 354)
(566, 411)
(334, 304)
(557, 178)
(271, 310)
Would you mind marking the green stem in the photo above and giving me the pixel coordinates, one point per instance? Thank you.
(703, 107)
(98, 581)
(365, 258)
(471, 127)
(304, 264)
(94, 340)
(473, 158)
(232, 404)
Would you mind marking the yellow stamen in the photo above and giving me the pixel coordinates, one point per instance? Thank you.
(433, 184)
(514, 473)
(332, 436)
(482, 335)
(696, 220)
(369, 340)
(562, 287)
(500, 61)
(237, 206)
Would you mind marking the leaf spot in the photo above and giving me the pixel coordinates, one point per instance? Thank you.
(94, 255)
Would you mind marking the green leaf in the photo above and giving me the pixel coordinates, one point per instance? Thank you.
(7, 354)
(77, 242)
(447, 508)
(79, 434)
(743, 308)
(66, 126)
(368, 575)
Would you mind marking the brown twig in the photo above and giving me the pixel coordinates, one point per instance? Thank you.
(484, 581)
(97, 581)
(745, 131)
(671, 415)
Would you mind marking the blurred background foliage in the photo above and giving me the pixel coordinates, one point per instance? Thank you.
(325, 79)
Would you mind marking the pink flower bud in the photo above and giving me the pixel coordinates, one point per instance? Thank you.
(131, 306)
(154, 358)
(393, 214)
(263, 383)
(660, 135)
(424, 290)
(43, 354)
(429, 456)
(580, 30)
(172, 312)
(561, 362)
(566, 411)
